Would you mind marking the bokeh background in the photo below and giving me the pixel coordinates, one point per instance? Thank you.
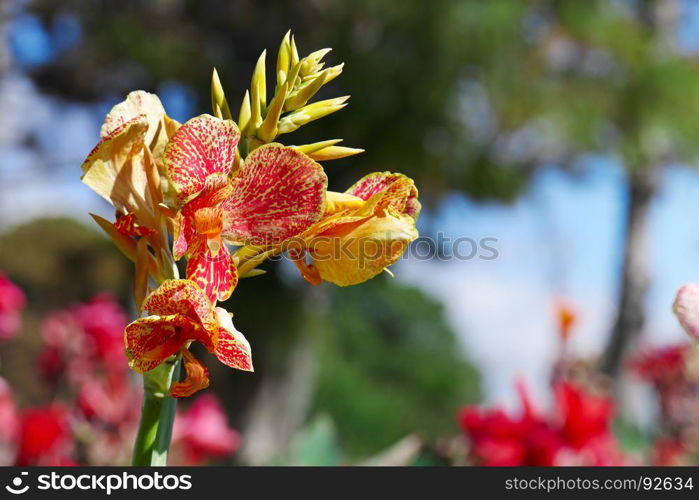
(566, 132)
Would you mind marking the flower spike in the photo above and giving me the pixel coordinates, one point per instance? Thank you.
(188, 191)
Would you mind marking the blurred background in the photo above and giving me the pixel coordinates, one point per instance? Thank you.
(555, 147)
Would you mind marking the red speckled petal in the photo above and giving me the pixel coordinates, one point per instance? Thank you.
(149, 341)
(216, 189)
(399, 191)
(128, 226)
(232, 348)
(203, 146)
(182, 297)
(197, 377)
(278, 193)
(184, 236)
(215, 274)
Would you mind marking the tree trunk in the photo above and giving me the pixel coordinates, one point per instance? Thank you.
(635, 277)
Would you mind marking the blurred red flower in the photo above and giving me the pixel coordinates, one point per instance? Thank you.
(85, 339)
(103, 320)
(9, 424)
(501, 440)
(202, 432)
(45, 437)
(577, 432)
(584, 416)
(660, 365)
(668, 452)
(12, 301)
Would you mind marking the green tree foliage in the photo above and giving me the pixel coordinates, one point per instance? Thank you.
(389, 366)
(58, 261)
(405, 66)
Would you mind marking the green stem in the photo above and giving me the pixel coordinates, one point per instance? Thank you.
(157, 415)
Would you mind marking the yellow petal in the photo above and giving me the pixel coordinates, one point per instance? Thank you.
(139, 103)
(364, 251)
(334, 153)
(336, 202)
(116, 170)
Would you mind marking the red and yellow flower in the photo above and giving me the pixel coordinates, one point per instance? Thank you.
(122, 168)
(188, 191)
(275, 194)
(363, 231)
(181, 313)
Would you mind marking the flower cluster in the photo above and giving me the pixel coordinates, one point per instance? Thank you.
(577, 432)
(224, 197)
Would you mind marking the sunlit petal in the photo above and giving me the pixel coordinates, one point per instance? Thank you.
(203, 146)
(181, 297)
(140, 103)
(278, 193)
(216, 274)
(364, 251)
(151, 340)
(396, 189)
(232, 348)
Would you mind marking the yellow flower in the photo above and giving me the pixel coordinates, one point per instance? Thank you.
(122, 168)
(363, 231)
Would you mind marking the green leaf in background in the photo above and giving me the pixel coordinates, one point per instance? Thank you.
(316, 444)
(390, 366)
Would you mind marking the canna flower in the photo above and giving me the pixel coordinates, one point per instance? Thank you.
(180, 314)
(363, 231)
(122, 168)
(275, 194)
